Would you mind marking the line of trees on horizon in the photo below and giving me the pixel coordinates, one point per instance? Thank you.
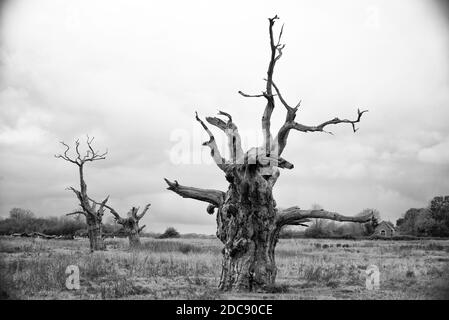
(25, 221)
(432, 220)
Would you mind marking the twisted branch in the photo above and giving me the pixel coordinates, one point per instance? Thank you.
(214, 197)
(282, 136)
(231, 131)
(212, 144)
(90, 155)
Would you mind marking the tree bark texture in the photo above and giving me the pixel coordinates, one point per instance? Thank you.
(95, 234)
(245, 225)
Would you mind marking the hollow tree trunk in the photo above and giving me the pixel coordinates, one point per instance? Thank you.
(94, 232)
(246, 226)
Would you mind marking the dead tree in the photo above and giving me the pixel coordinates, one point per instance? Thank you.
(130, 224)
(248, 222)
(89, 208)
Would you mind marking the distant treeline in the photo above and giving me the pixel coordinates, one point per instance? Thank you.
(431, 221)
(292, 234)
(22, 220)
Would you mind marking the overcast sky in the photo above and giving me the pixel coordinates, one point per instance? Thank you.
(132, 73)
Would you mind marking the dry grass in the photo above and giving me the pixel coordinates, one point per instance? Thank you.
(190, 269)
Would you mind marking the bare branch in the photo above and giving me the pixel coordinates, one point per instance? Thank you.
(91, 155)
(65, 156)
(103, 204)
(77, 145)
(282, 136)
(280, 35)
(291, 112)
(214, 197)
(76, 212)
(276, 53)
(294, 215)
(222, 113)
(279, 50)
(115, 214)
(263, 94)
(266, 123)
(140, 216)
(141, 228)
(266, 118)
(231, 131)
(212, 144)
(321, 127)
(89, 144)
(217, 122)
(77, 193)
(95, 155)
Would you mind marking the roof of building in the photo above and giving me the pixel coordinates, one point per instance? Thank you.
(384, 223)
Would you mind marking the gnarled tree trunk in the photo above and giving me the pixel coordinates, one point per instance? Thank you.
(248, 222)
(95, 234)
(245, 226)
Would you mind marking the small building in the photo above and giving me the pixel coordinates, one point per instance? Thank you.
(384, 229)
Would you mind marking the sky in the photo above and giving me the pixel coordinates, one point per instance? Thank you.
(132, 74)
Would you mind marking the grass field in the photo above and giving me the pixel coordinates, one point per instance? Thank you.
(190, 269)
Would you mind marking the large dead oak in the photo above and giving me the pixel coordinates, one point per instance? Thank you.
(248, 222)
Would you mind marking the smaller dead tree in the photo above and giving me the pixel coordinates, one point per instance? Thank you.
(92, 210)
(130, 224)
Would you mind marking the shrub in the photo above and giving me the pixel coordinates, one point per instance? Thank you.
(170, 232)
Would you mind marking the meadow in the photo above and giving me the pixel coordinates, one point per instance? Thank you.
(190, 269)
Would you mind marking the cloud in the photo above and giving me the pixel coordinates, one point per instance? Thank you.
(437, 154)
(132, 75)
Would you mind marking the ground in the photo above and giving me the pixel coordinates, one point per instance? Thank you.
(190, 269)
